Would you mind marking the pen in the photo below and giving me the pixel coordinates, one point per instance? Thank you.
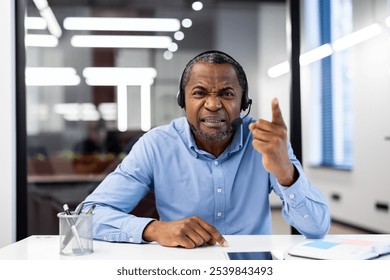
(79, 208)
(66, 209)
(68, 235)
(73, 228)
(89, 212)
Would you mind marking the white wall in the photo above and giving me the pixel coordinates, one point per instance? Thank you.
(7, 124)
(272, 50)
(237, 20)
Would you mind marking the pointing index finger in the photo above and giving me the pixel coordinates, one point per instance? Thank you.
(215, 235)
(277, 117)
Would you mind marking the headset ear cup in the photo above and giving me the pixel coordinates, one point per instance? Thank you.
(180, 99)
(246, 101)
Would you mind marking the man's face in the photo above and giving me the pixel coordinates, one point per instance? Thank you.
(213, 100)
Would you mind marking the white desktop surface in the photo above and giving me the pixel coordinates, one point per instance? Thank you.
(46, 247)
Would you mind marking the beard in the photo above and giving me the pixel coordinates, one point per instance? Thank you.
(212, 137)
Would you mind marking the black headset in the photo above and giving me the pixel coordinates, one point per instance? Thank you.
(245, 102)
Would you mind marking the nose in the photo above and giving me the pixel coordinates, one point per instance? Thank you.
(213, 103)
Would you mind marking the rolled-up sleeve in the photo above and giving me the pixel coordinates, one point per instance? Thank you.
(117, 195)
(304, 207)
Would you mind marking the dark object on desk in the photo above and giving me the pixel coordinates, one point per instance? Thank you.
(266, 255)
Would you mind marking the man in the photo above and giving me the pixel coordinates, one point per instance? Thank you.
(211, 171)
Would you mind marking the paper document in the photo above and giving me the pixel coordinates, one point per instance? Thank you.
(340, 249)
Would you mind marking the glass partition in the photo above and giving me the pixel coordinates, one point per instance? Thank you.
(99, 74)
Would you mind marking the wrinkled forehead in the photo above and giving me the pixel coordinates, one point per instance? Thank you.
(212, 74)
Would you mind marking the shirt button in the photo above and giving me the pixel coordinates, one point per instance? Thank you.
(131, 239)
(292, 196)
(219, 214)
(306, 216)
(216, 162)
(219, 190)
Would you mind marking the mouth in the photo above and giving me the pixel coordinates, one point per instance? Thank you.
(213, 122)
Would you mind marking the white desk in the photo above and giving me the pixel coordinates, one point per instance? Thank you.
(47, 248)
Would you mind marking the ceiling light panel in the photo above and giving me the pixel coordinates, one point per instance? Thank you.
(122, 24)
(104, 76)
(51, 76)
(112, 41)
(37, 40)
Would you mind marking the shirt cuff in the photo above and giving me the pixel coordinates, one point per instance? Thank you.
(297, 192)
(135, 228)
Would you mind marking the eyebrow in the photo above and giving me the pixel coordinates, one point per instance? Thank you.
(199, 87)
(205, 89)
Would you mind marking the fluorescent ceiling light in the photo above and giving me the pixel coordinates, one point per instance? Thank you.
(279, 69)
(122, 108)
(84, 116)
(36, 40)
(123, 77)
(113, 76)
(86, 111)
(179, 35)
(197, 6)
(168, 55)
(107, 41)
(173, 47)
(315, 54)
(47, 13)
(325, 50)
(122, 24)
(187, 23)
(145, 108)
(357, 37)
(52, 23)
(41, 4)
(108, 111)
(77, 111)
(36, 23)
(51, 76)
(387, 21)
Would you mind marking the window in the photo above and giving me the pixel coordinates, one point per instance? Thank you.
(334, 112)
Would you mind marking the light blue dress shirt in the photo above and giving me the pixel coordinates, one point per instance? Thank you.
(230, 192)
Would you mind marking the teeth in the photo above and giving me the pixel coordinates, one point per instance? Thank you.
(212, 121)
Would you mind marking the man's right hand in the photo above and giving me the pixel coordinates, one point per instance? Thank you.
(188, 233)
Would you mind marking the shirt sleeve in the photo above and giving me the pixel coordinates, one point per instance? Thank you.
(118, 194)
(304, 207)
(115, 226)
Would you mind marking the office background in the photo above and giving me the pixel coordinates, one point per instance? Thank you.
(349, 163)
